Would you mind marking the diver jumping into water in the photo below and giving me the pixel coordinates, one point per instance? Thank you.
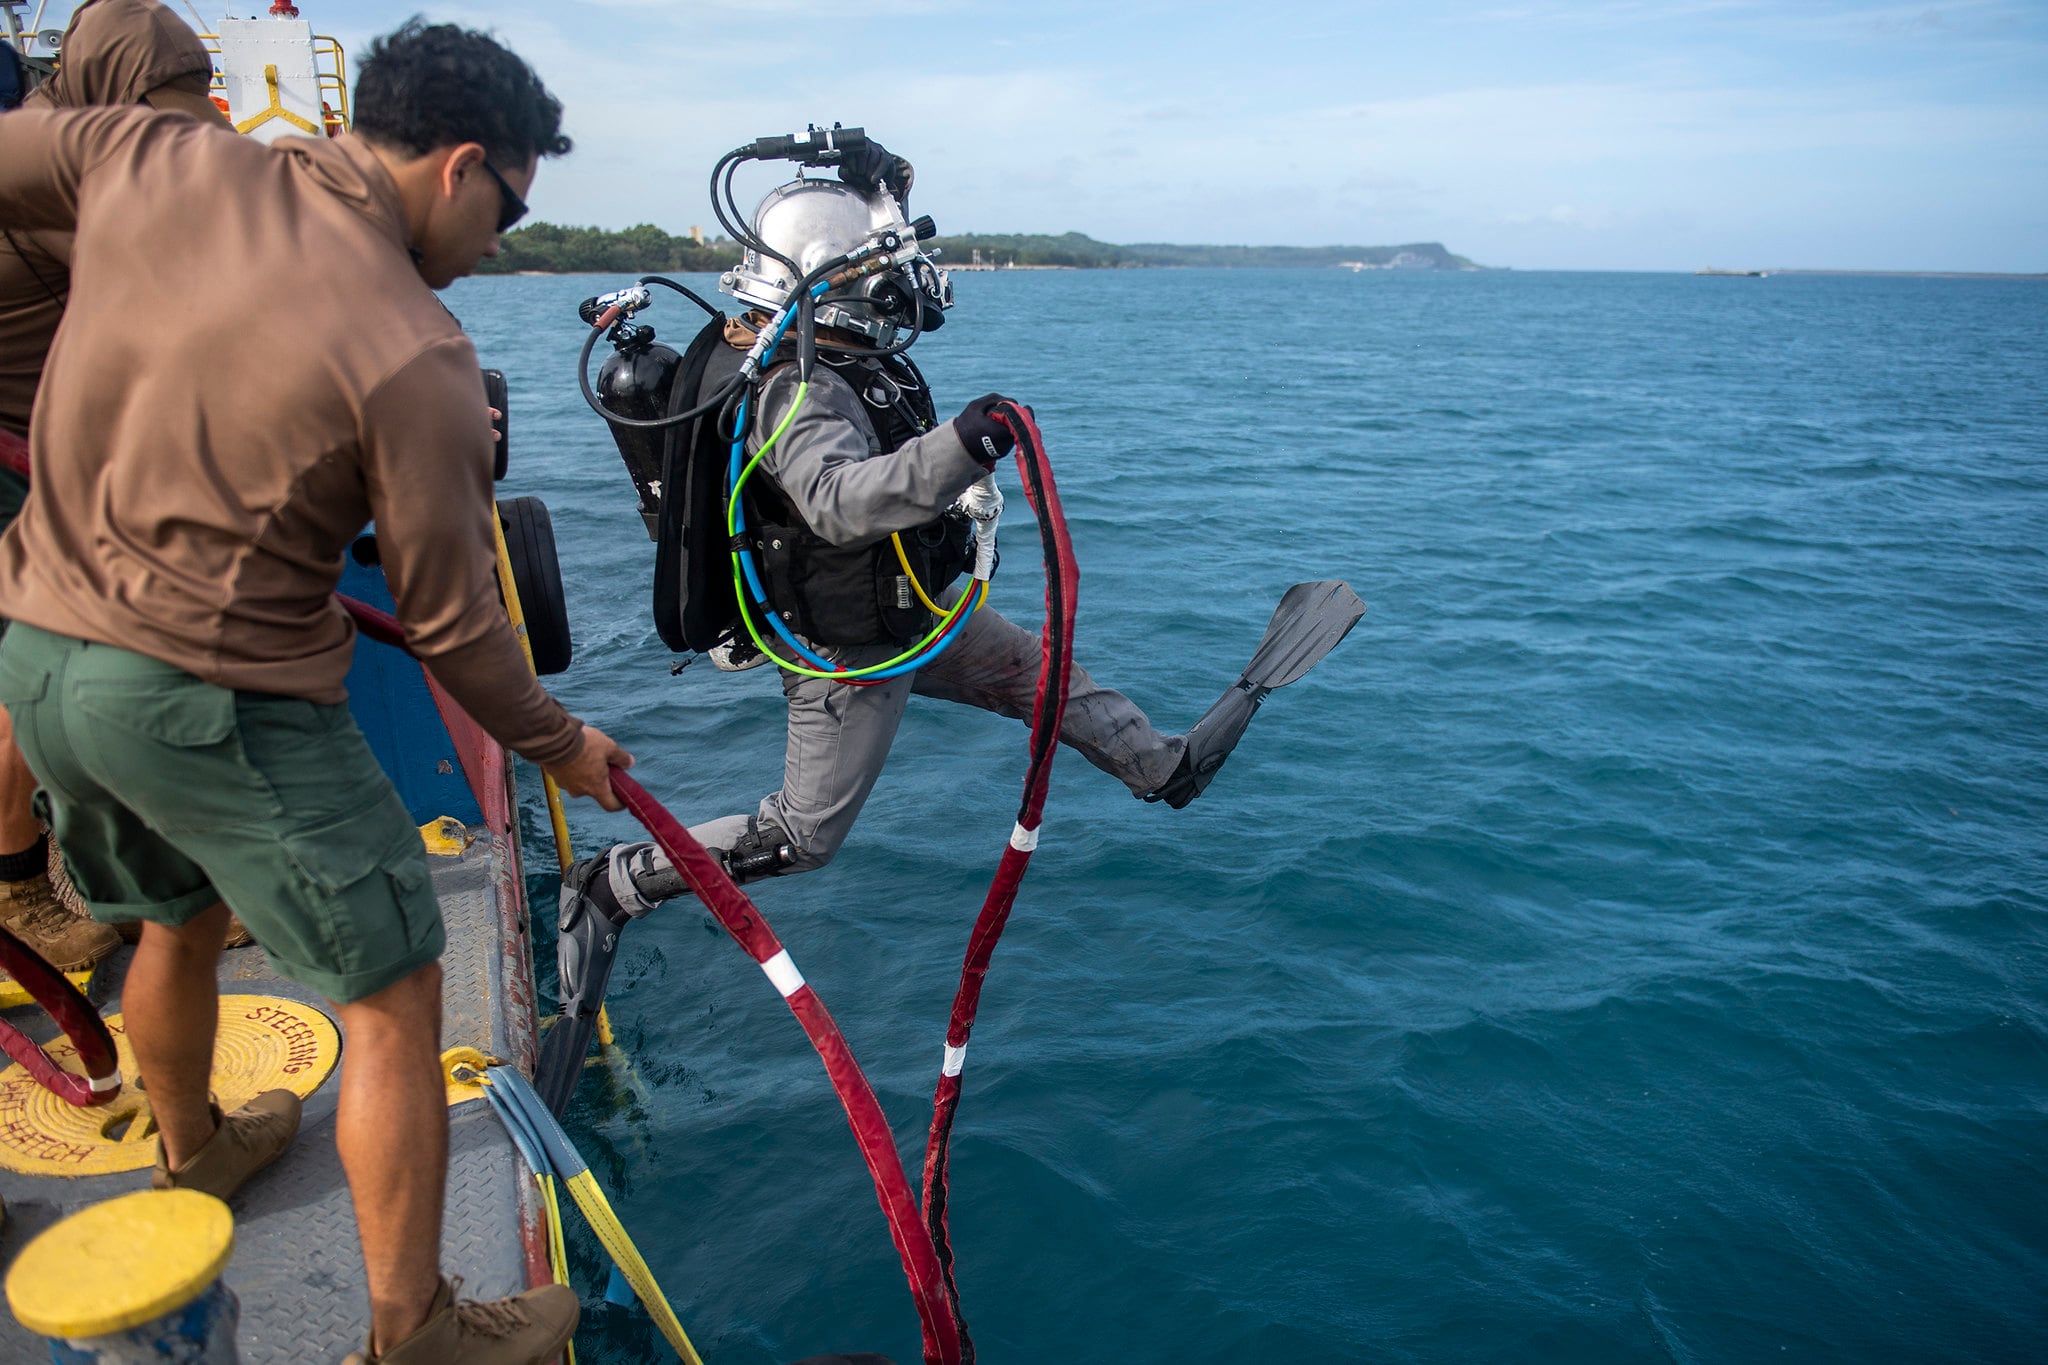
(821, 516)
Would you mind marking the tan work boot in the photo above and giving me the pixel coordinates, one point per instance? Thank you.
(526, 1329)
(32, 914)
(245, 1142)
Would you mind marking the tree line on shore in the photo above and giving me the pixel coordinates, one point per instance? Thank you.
(552, 249)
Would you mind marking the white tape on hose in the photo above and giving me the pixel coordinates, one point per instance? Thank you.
(956, 1057)
(784, 974)
(1023, 840)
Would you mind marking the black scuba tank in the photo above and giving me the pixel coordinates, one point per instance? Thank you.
(636, 381)
(694, 605)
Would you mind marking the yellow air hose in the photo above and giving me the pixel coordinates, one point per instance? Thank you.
(508, 588)
(545, 1145)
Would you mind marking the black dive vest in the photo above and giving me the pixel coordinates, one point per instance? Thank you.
(829, 594)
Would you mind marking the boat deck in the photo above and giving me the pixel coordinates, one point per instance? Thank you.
(296, 1266)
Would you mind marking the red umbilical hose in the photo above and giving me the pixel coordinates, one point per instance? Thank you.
(743, 920)
(1062, 601)
(74, 1014)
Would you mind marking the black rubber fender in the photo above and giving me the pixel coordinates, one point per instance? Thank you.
(530, 541)
(498, 394)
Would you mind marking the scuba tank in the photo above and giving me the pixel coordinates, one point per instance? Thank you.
(637, 381)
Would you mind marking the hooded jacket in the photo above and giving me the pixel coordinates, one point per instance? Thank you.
(115, 53)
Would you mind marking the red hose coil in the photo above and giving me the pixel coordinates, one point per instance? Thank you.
(74, 1014)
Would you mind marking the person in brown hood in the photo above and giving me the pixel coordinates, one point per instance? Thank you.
(245, 378)
(116, 52)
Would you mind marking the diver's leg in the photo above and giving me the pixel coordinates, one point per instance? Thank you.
(839, 738)
(994, 665)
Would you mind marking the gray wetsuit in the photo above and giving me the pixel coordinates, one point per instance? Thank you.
(831, 467)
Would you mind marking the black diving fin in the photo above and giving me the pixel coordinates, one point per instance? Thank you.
(1308, 623)
(592, 916)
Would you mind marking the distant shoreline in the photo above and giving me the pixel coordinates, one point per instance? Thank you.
(550, 248)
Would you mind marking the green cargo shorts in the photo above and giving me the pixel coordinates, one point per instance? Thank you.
(13, 494)
(168, 794)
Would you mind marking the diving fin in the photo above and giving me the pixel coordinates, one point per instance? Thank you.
(593, 913)
(1308, 623)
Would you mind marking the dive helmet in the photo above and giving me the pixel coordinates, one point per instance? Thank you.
(815, 221)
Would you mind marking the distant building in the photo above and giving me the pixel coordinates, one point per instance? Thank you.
(697, 234)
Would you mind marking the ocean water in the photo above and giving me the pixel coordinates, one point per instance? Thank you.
(1629, 946)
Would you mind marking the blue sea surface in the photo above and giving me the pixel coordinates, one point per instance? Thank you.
(1629, 946)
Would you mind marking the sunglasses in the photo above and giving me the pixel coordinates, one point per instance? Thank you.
(511, 207)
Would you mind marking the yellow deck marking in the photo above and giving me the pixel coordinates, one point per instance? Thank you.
(265, 1043)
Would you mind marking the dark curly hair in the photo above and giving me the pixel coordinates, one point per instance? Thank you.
(436, 85)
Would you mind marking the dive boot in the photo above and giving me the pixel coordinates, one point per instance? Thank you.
(32, 913)
(1309, 622)
(244, 1143)
(599, 899)
(526, 1329)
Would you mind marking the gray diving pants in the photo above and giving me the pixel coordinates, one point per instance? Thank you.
(839, 736)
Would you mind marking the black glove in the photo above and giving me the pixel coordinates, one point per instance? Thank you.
(875, 167)
(986, 439)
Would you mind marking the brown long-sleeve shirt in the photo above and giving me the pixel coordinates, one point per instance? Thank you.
(250, 369)
(115, 52)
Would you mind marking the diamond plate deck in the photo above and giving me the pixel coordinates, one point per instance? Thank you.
(296, 1264)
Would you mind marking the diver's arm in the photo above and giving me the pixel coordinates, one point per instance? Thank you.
(47, 154)
(427, 465)
(842, 490)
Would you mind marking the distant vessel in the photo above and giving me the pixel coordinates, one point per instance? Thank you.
(1750, 274)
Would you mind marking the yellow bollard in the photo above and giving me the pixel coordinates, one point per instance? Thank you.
(135, 1278)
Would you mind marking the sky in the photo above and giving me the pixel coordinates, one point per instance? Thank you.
(1538, 134)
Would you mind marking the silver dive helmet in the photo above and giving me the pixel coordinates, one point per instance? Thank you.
(814, 221)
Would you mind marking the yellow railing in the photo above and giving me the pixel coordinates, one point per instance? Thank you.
(333, 77)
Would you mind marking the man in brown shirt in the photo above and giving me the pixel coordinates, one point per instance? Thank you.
(116, 52)
(244, 377)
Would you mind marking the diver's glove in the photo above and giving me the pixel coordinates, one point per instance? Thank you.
(875, 167)
(986, 439)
